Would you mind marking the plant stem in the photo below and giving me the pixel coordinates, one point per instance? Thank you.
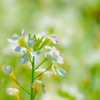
(24, 89)
(40, 48)
(41, 63)
(44, 71)
(32, 77)
(39, 74)
(34, 96)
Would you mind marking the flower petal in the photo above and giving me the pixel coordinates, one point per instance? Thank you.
(61, 71)
(12, 91)
(39, 36)
(3, 79)
(23, 32)
(23, 49)
(57, 52)
(54, 40)
(60, 60)
(53, 36)
(31, 41)
(43, 86)
(9, 69)
(35, 53)
(15, 37)
(11, 41)
(18, 49)
(54, 69)
(45, 34)
(24, 58)
(48, 47)
(54, 58)
(49, 55)
(40, 69)
(48, 73)
(33, 85)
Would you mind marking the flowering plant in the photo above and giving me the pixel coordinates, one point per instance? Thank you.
(30, 45)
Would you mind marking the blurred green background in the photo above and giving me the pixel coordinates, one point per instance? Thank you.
(76, 24)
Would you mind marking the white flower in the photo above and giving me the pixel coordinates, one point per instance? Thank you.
(72, 90)
(47, 73)
(12, 91)
(52, 37)
(16, 37)
(36, 86)
(9, 70)
(24, 45)
(53, 55)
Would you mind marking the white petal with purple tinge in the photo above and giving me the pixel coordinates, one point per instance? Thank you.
(39, 36)
(48, 47)
(11, 41)
(60, 60)
(24, 58)
(61, 71)
(15, 37)
(54, 40)
(3, 79)
(45, 34)
(9, 69)
(35, 53)
(23, 32)
(49, 55)
(31, 41)
(18, 49)
(54, 58)
(33, 85)
(48, 73)
(43, 88)
(53, 68)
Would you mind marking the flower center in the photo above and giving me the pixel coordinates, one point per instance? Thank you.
(22, 42)
(55, 63)
(50, 36)
(28, 50)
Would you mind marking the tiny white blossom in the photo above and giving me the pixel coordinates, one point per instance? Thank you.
(12, 91)
(47, 73)
(54, 56)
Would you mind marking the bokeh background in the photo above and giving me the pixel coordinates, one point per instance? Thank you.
(76, 24)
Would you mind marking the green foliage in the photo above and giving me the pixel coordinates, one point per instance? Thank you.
(37, 42)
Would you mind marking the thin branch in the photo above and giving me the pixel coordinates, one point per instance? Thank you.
(24, 89)
(40, 74)
(40, 63)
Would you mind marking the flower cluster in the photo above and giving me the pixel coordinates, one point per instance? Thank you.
(30, 45)
(24, 46)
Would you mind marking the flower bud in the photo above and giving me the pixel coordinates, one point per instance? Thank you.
(12, 76)
(9, 69)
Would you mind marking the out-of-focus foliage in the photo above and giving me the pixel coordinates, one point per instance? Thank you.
(76, 24)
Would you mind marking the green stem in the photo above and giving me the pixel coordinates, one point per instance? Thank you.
(24, 89)
(40, 74)
(41, 63)
(44, 71)
(40, 48)
(34, 96)
(32, 77)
